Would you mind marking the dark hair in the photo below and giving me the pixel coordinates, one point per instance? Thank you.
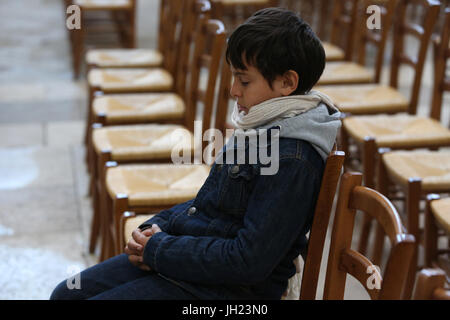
(275, 40)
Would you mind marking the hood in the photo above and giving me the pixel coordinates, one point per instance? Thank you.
(319, 126)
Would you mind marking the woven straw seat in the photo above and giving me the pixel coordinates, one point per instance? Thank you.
(138, 142)
(118, 80)
(441, 212)
(103, 4)
(433, 168)
(132, 223)
(332, 52)
(124, 58)
(344, 72)
(398, 131)
(121, 108)
(156, 185)
(366, 98)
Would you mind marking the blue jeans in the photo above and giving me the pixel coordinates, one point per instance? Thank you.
(118, 279)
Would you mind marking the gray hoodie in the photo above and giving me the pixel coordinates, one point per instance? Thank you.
(318, 126)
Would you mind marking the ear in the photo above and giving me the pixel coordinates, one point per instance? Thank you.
(290, 80)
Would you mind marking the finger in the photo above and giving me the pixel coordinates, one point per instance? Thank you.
(139, 237)
(134, 246)
(135, 260)
(148, 232)
(145, 267)
(128, 251)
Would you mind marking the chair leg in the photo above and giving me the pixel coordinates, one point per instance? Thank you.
(89, 118)
(78, 50)
(131, 30)
(368, 155)
(96, 219)
(343, 144)
(120, 205)
(382, 184)
(109, 237)
(103, 205)
(430, 235)
(412, 213)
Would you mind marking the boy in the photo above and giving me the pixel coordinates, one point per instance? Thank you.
(238, 238)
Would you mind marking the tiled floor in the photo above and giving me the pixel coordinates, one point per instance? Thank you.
(44, 209)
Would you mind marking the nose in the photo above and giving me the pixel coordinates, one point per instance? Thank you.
(235, 92)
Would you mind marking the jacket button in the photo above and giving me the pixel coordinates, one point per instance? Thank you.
(235, 169)
(192, 210)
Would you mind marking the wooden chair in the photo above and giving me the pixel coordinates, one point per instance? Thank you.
(154, 142)
(437, 224)
(349, 72)
(130, 216)
(131, 219)
(441, 57)
(318, 14)
(368, 99)
(399, 131)
(318, 232)
(164, 56)
(234, 12)
(343, 260)
(369, 133)
(108, 109)
(159, 79)
(342, 37)
(128, 109)
(411, 175)
(328, 19)
(124, 108)
(123, 17)
(431, 285)
(306, 8)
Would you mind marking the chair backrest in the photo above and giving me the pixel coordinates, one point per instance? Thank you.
(441, 80)
(208, 50)
(344, 17)
(316, 13)
(304, 8)
(170, 17)
(375, 37)
(401, 54)
(223, 97)
(343, 260)
(430, 285)
(319, 227)
(193, 12)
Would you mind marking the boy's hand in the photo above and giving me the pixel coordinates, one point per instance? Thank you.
(136, 245)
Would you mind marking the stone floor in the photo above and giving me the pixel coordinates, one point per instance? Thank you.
(44, 209)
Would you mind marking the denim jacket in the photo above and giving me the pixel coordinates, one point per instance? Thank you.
(239, 236)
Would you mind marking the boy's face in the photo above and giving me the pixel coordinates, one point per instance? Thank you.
(250, 88)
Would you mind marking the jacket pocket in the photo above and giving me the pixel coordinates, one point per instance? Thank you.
(235, 191)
